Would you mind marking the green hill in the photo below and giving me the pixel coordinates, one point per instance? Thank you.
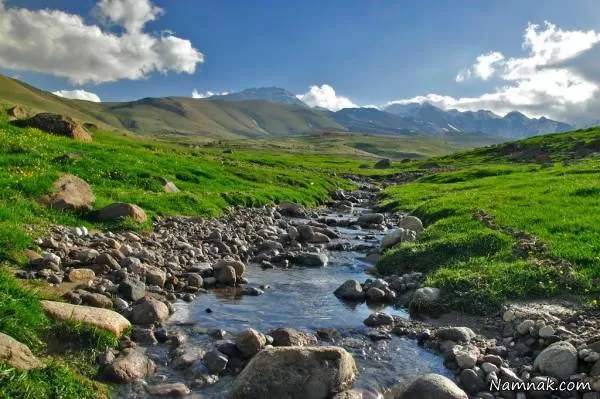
(512, 221)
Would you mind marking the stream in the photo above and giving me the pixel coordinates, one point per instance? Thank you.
(300, 298)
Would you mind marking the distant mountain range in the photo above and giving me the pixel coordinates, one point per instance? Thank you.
(414, 118)
(265, 112)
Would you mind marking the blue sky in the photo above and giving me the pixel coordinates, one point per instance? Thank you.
(371, 51)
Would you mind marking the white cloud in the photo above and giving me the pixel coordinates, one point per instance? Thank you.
(78, 95)
(64, 45)
(208, 93)
(558, 77)
(324, 96)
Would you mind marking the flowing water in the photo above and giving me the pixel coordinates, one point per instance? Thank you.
(303, 299)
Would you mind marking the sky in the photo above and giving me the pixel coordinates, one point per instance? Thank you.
(542, 59)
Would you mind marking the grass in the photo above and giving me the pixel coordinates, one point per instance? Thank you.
(475, 265)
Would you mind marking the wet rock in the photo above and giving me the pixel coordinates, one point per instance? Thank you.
(132, 290)
(291, 209)
(70, 193)
(367, 219)
(172, 390)
(81, 275)
(195, 280)
(375, 294)
(249, 342)
(215, 361)
(411, 223)
(432, 386)
(291, 337)
(121, 210)
(17, 354)
(350, 290)
(149, 311)
(457, 334)
(226, 275)
(295, 373)
(558, 360)
(252, 291)
(320, 238)
(143, 336)
(305, 233)
(238, 266)
(101, 318)
(311, 259)
(379, 319)
(130, 366)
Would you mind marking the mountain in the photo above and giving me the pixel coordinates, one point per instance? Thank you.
(372, 120)
(434, 120)
(274, 95)
(184, 116)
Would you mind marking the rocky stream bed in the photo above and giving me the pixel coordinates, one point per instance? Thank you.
(283, 302)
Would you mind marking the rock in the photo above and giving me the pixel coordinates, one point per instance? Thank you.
(396, 237)
(226, 275)
(375, 294)
(295, 373)
(311, 259)
(101, 318)
(425, 297)
(249, 342)
(59, 125)
(546, 331)
(320, 238)
(70, 193)
(465, 356)
(379, 319)
(411, 223)
(595, 371)
(130, 366)
(305, 233)
(107, 260)
(120, 210)
(457, 334)
(215, 361)
(432, 386)
(132, 290)
(558, 360)
(16, 112)
(156, 276)
(524, 326)
(96, 300)
(81, 275)
(149, 311)
(143, 336)
(291, 209)
(172, 390)
(383, 164)
(489, 367)
(17, 354)
(169, 186)
(367, 219)
(195, 280)
(471, 381)
(238, 266)
(291, 337)
(351, 290)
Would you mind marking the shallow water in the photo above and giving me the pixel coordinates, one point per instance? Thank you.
(302, 298)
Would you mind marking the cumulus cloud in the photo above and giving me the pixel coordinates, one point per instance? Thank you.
(324, 96)
(62, 44)
(208, 93)
(559, 77)
(78, 95)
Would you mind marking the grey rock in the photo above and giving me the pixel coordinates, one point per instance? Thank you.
(558, 360)
(215, 361)
(432, 386)
(350, 290)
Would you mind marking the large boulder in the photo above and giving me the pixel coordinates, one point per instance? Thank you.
(457, 334)
(226, 275)
(101, 318)
(149, 311)
(558, 360)
(411, 223)
(311, 259)
(383, 164)
(249, 342)
(70, 193)
(130, 366)
(432, 386)
(350, 290)
(17, 354)
(120, 210)
(238, 266)
(367, 219)
(295, 373)
(396, 237)
(56, 124)
(291, 337)
(291, 209)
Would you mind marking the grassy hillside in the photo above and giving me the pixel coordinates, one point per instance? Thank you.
(500, 226)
